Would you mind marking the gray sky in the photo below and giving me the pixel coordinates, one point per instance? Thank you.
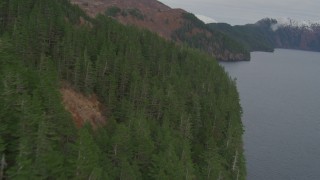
(249, 11)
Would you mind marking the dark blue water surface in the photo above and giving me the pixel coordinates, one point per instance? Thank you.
(280, 97)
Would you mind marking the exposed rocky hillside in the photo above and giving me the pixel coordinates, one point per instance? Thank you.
(82, 108)
(172, 24)
(152, 15)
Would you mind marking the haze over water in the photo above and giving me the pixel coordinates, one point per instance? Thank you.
(280, 97)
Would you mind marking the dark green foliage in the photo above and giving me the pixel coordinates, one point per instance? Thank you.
(88, 158)
(253, 36)
(194, 20)
(217, 44)
(113, 11)
(172, 112)
(135, 13)
(36, 131)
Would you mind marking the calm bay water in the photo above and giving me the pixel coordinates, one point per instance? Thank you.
(280, 97)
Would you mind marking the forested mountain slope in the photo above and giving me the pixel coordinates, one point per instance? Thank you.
(171, 112)
(172, 24)
(252, 36)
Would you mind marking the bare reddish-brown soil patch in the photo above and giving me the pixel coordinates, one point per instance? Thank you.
(83, 108)
(158, 17)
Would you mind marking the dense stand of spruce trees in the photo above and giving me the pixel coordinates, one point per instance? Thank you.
(172, 112)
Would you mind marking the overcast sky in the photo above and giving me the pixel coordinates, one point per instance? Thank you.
(249, 11)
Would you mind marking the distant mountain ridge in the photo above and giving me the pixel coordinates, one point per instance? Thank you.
(172, 24)
(289, 22)
(268, 33)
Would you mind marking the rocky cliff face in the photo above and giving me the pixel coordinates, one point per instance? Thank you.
(172, 24)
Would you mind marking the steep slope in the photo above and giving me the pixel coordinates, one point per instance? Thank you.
(143, 13)
(172, 111)
(172, 24)
(267, 34)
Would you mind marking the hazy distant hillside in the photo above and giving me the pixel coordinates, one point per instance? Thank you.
(172, 24)
(293, 34)
(267, 34)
